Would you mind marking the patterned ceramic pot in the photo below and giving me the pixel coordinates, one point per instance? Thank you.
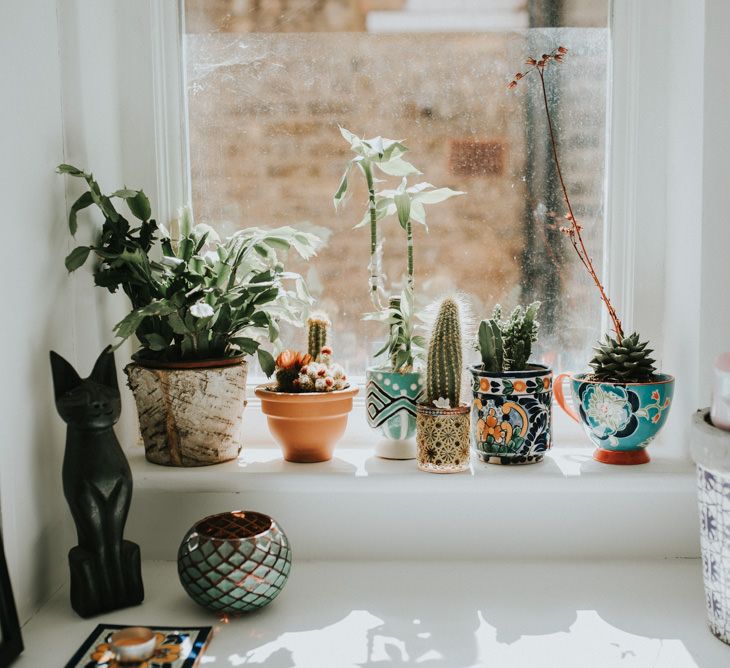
(391, 400)
(711, 451)
(234, 562)
(442, 435)
(511, 415)
(620, 418)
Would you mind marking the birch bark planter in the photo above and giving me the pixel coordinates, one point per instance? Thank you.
(442, 435)
(711, 451)
(306, 425)
(190, 416)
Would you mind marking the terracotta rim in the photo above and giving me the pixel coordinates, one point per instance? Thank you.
(267, 391)
(665, 379)
(425, 409)
(211, 527)
(191, 364)
(535, 371)
(622, 457)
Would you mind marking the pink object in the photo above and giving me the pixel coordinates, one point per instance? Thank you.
(720, 410)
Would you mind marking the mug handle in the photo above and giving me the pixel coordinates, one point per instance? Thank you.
(560, 396)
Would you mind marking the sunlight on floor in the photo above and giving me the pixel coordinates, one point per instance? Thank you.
(361, 639)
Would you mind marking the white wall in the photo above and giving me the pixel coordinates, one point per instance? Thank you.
(37, 300)
(76, 82)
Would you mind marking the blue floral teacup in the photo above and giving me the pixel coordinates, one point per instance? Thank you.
(620, 418)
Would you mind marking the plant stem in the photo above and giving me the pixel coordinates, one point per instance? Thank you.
(375, 278)
(409, 256)
(579, 246)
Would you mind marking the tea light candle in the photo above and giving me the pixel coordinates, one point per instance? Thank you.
(720, 410)
(133, 644)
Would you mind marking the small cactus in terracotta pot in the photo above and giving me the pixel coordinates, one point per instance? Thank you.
(442, 422)
(307, 407)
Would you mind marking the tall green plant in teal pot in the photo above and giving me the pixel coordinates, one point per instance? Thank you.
(395, 387)
(511, 413)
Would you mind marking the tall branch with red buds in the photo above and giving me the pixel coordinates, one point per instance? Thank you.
(573, 229)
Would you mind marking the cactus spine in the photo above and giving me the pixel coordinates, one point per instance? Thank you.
(443, 377)
(317, 327)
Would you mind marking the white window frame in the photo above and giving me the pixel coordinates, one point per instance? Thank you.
(644, 234)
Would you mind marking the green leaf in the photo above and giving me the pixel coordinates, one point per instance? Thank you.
(403, 207)
(436, 196)
(87, 199)
(70, 170)
(397, 167)
(247, 345)
(77, 257)
(266, 361)
(137, 202)
(156, 342)
(342, 188)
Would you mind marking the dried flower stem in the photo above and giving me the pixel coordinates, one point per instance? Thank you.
(574, 231)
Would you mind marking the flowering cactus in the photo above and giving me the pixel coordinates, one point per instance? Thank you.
(298, 372)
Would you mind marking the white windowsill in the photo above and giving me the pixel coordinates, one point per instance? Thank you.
(333, 614)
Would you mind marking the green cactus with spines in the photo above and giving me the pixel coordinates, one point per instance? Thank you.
(443, 375)
(506, 345)
(317, 329)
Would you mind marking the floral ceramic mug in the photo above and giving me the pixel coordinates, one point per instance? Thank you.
(620, 418)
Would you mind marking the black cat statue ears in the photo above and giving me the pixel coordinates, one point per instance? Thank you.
(65, 377)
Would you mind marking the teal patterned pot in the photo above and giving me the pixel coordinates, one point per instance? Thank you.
(511, 414)
(234, 562)
(391, 400)
(620, 418)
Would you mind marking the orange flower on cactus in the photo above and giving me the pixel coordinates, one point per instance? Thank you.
(291, 359)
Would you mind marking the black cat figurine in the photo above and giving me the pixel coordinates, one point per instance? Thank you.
(97, 483)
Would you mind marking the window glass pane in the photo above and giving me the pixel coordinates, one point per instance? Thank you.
(268, 82)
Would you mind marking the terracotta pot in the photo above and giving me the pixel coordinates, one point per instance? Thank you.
(190, 416)
(442, 435)
(306, 425)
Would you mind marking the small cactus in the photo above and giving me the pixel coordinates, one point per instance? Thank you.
(443, 376)
(506, 345)
(317, 327)
(625, 361)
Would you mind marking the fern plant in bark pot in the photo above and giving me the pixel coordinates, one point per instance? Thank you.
(624, 402)
(442, 421)
(200, 307)
(511, 413)
(308, 405)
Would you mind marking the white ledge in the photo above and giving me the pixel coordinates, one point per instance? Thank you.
(358, 506)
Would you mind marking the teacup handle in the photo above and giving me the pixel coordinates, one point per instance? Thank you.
(560, 396)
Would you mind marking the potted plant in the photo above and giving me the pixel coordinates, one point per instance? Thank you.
(511, 414)
(624, 402)
(307, 407)
(393, 389)
(442, 421)
(710, 448)
(199, 308)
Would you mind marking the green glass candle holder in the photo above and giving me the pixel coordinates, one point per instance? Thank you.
(234, 562)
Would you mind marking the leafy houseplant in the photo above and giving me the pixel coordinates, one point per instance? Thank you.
(624, 402)
(393, 389)
(308, 405)
(199, 306)
(443, 421)
(512, 405)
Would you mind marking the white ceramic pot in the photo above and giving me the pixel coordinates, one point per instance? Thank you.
(711, 452)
